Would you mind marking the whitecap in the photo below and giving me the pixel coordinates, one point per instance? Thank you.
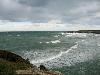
(83, 40)
(40, 42)
(56, 36)
(98, 44)
(76, 34)
(45, 60)
(56, 41)
(53, 57)
(47, 42)
(62, 33)
(17, 35)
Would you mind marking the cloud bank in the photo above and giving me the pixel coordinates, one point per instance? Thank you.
(51, 15)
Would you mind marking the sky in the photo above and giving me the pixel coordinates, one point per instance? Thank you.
(49, 15)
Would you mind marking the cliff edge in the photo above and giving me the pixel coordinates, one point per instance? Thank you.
(13, 64)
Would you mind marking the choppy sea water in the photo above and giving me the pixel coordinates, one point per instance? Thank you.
(70, 53)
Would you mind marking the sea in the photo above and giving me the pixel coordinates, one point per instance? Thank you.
(69, 53)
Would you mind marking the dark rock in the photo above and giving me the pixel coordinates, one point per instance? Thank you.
(21, 66)
(89, 31)
(12, 57)
(42, 67)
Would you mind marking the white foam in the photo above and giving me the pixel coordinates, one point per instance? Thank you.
(56, 41)
(62, 33)
(47, 42)
(40, 42)
(56, 36)
(17, 35)
(70, 57)
(44, 60)
(73, 47)
(76, 34)
(83, 40)
(98, 44)
(53, 57)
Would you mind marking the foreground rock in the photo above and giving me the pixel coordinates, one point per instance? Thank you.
(32, 71)
(12, 64)
(8, 56)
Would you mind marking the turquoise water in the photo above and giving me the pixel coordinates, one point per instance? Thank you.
(70, 53)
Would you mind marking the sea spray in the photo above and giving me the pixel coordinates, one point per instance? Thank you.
(54, 57)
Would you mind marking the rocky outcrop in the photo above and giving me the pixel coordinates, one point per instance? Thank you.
(12, 57)
(85, 31)
(89, 31)
(36, 71)
(22, 66)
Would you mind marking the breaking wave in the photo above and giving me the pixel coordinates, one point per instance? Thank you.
(54, 42)
(76, 34)
(54, 57)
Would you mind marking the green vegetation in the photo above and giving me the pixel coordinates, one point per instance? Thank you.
(9, 68)
(10, 62)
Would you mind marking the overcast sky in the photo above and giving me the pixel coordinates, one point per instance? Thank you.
(51, 15)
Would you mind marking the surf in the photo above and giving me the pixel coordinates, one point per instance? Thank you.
(54, 57)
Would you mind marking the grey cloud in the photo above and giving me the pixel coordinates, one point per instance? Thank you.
(94, 21)
(52, 10)
(68, 11)
(34, 3)
(18, 11)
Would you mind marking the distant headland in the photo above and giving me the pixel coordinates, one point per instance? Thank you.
(85, 31)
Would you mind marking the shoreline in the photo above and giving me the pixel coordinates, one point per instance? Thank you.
(77, 31)
(13, 64)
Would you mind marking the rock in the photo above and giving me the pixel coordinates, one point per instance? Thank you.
(21, 66)
(12, 57)
(42, 67)
(24, 72)
(36, 72)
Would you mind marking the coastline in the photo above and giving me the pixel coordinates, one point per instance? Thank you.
(77, 31)
(13, 64)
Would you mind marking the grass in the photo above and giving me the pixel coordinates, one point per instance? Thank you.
(9, 68)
